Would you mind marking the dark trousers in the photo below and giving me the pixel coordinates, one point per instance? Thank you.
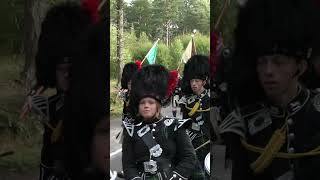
(49, 173)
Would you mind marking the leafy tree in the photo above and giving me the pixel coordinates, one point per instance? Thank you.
(176, 50)
(138, 16)
(197, 16)
(120, 45)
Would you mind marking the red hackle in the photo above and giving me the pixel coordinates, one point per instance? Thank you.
(173, 81)
(139, 64)
(92, 7)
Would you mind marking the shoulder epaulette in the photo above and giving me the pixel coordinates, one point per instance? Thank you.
(129, 127)
(251, 109)
(233, 124)
(40, 104)
(181, 122)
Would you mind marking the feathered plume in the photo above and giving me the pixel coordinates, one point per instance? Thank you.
(173, 81)
(139, 64)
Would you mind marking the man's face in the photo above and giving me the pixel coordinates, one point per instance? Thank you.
(197, 85)
(63, 76)
(277, 74)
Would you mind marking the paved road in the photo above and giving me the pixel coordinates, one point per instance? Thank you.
(115, 149)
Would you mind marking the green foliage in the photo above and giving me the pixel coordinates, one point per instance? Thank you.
(176, 51)
(140, 50)
(24, 137)
(153, 16)
(202, 44)
(137, 48)
(11, 27)
(197, 16)
(116, 104)
(138, 16)
(113, 11)
(12, 23)
(130, 40)
(143, 37)
(163, 56)
(113, 51)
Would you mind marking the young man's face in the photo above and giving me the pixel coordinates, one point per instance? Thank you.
(277, 74)
(63, 76)
(197, 85)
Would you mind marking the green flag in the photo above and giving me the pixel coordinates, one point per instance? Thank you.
(152, 54)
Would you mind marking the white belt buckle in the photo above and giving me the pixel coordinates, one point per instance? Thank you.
(195, 126)
(150, 167)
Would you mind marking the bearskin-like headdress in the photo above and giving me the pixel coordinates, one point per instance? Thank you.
(86, 107)
(270, 27)
(61, 29)
(151, 81)
(128, 71)
(277, 27)
(197, 67)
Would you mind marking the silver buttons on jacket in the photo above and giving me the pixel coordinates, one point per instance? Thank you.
(291, 136)
(291, 150)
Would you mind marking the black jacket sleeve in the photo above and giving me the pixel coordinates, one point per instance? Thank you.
(128, 158)
(186, 155)
(240, 165)
(184, 111)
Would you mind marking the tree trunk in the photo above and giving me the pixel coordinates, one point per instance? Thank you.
(34, 12)
(29, 43)
(120, 43)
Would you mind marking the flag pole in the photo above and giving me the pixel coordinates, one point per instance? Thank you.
(226, 2)
(102, 4)
(149, 51)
